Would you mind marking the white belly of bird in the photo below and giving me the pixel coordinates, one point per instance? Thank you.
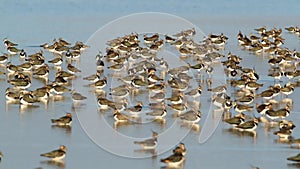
(44, 98)
(193, 122)
(152, 80)
(250, 129)
(58, 52)
(51, 50)
(118, 120)
(134, 113)
(3, 61)
(196, 95)
(12, 53)
(263, 112)
(241, 42)
(102, 107)
(38, 66)
(162, 116)
(58, 63)
(100, 87)
(284, 136)
(150, 147)
(268, 98)
(176, 164)
(75, 57)
(214, 39)
(251, 88)
(272, 117)
(220, 44)
(63, 124)
(27, 69)
(22, 101)
(288, 93)
(95, 80)
(157, 99)
(176, 101)
(59, 158)
(55, 91)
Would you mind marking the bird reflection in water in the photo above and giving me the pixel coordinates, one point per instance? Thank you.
(226, 115)
(59, 164)
(177, 167)
(134, 120)
(293, 165)
(10, 103)
(161, 122)
(194, 127)
(27, 108)
(43, 80)
(167, 167)
(242, 133)
(118, 124)
(66, 128)
(45, 102)
(195, 104)
(283, 140)
(153, 152)
(58, 97)
(268, 125)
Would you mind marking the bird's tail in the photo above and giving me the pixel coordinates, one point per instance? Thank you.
(137, 142)
(45, 155)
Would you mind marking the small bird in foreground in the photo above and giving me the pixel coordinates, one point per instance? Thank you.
(180, 147)
(58, 154)
(63, 121)
(175, 160)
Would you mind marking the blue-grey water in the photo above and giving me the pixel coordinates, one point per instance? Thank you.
(27, 133)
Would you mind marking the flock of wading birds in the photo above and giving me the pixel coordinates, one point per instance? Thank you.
(143, 70)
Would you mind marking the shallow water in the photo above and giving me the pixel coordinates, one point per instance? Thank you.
(27, 133)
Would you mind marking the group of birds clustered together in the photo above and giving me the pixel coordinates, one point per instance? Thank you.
(272, 103)
(34, 69)
(140, 68)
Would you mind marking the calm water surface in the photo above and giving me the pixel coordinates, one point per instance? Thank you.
(25, 133)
